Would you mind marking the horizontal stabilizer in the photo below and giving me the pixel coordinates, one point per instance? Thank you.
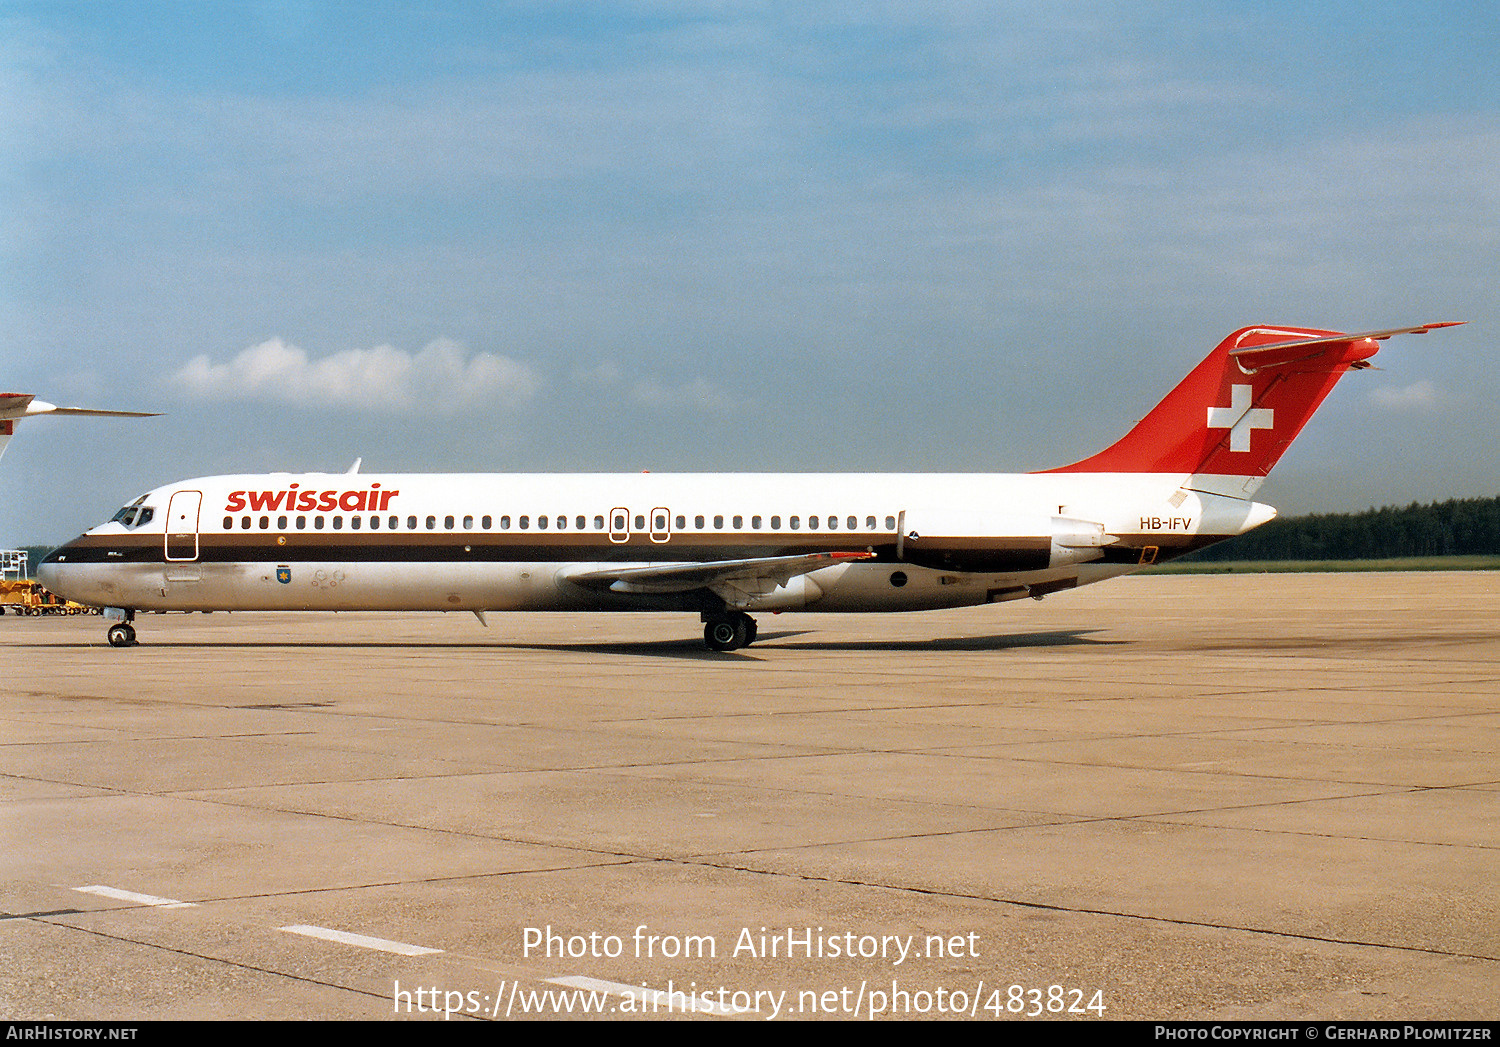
(1254, 358)
(16, 406)
(1334, 339)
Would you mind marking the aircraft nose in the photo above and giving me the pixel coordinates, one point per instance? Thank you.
(52, 571)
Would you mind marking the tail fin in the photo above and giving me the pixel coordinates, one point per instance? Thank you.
(15, 406)
(1239, 409)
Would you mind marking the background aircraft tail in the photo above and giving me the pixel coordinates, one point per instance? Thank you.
(16, 406)
(1239, 409)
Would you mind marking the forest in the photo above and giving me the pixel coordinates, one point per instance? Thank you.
(1457, 527)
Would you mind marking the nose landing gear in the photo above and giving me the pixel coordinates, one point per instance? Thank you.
(729, 632)
(122, 634)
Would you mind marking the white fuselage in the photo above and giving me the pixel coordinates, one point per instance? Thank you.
(316, 541)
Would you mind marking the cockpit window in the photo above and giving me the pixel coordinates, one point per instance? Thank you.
(133, 515)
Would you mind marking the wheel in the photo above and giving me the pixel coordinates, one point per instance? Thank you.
(726, 632)
(121, 635)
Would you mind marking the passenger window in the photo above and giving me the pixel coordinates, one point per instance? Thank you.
(432, 523)
(619, 523)
(354, 522)
(411, 523)
(317, 523)
(661, 522)
(244, 523)
(682, 522)
(755, 523)
(698, 522)
(265, 523)
(598, 523)
(228, 523)
(338, 523)
(718, 523)
(447, 523)
(281, 523)
(640, 523)
(562, 523)
(484, 523)
(853, 523)
(374, 523)
(890, 523)
(395, 522)
(739, 523)
(301, 523)
(869, 523)
(505, 523)
(795, 523)
(833, 523)
(775, 523)
(541, 522)
(525, 523)
(468, 523)
(582, 522)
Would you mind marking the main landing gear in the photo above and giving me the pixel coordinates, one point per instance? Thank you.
(729, 631)
(122, 634)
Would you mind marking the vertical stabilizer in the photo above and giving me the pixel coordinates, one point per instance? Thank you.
(1238, 411)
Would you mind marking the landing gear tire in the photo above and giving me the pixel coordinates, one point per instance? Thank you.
(729, 632)
(122, 635)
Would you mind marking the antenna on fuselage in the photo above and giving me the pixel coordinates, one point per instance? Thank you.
(355, 467)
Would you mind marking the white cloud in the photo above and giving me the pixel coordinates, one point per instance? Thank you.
(1419, 396)
(697, 394)
(442, 378)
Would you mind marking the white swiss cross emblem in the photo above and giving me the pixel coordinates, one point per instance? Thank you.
(1239, 418)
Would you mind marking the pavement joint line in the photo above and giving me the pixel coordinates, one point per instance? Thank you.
(239, 965)
(1115, 914)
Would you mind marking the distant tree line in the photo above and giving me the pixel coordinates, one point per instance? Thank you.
(1457, 527)
(34, 555)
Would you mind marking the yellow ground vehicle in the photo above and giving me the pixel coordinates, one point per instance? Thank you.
(28, 597)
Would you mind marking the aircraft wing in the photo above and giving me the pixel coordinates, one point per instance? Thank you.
(758, 574)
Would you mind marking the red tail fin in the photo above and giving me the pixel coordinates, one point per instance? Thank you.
(1239, 409)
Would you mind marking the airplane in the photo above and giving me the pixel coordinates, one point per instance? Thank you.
(723, 545)
(15, 407)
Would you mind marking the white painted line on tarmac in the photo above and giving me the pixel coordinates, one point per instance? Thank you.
(139, 899)
(364, 941)
(655, 1001)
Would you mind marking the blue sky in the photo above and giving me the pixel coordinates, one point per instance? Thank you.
(730, 236)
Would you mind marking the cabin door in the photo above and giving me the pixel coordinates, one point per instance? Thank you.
(182, 525)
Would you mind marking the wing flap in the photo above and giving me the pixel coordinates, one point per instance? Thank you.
(755, 574)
